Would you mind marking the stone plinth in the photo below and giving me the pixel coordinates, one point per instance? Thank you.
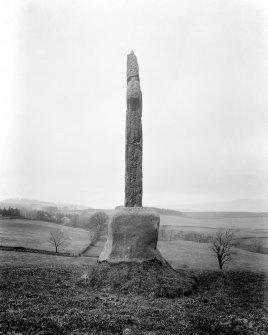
(132, 236)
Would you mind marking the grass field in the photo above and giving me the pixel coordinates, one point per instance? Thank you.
(198, 256)
(187, 254)
(25, 259)
(48, 300)
(45, 294)
(248, 227)
(215, 222)
(180, 253)
(34, 234)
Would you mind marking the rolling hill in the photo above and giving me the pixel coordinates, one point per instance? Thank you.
(34, 234)
(181, 253)
(37, 204)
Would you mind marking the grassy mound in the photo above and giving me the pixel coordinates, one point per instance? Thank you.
(50, 300)
(151, 279)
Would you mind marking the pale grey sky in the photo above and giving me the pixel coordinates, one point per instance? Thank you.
(203, 70)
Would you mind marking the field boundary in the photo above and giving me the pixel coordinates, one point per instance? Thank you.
(36, 251)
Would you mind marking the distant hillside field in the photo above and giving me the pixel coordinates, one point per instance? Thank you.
(247, 226)
(216, 220)
(181, 252)
(197, 255)
(37, 204)
(34, 234)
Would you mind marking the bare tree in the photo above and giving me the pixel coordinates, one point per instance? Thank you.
(96, 224)
(257, 245)
(58, 239)
(165, 234)
(170, 234)
(221, 245)
(162, 234)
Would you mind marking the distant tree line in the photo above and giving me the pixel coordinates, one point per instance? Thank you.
(7, 212)
(174, 235)
(51, 216)
(164, 211)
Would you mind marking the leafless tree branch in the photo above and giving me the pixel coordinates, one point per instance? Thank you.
(221, 245)
(58, 239)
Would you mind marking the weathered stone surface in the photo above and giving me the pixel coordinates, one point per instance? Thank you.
(132, 236)
(133, 92)
(132, 65)
(133, 231)
(133, 153)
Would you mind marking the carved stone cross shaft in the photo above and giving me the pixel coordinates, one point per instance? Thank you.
(133, 229)
(133, 155)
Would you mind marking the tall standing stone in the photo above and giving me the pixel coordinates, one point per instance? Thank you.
(130, 255)
(133, 230)
(133, 153)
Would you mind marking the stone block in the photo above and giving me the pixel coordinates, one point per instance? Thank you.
(132, 236)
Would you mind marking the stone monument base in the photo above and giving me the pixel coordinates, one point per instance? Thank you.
(130, 261)
(132, 236)
(149, 278)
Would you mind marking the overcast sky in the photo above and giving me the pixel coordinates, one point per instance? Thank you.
(203, 71)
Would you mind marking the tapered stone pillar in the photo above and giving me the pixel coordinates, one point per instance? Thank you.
(133, 153)
(133, 230)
